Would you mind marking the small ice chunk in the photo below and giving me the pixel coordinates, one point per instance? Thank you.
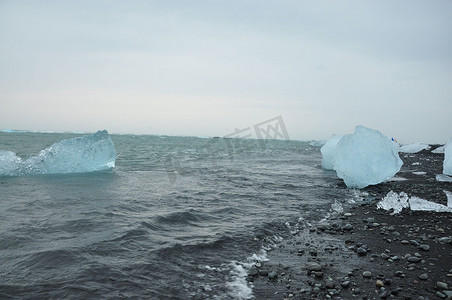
(414, 148)
(449, 198)
(443, 178)
(316, 143)
(329, 152)
(397, 202)
(419, 173)
(425, 205)
(447, 164)
(439, 149)
(394, 201)
(366, 157)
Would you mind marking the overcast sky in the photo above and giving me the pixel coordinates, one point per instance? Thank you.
(204, 68)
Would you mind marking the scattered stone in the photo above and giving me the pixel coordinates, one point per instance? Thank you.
(318, 274)
(348, 226)
(445, 240)
(313, 266)
(441, 295)
(383, 295)
(424, 247)
(423, 276)
(379, 283)
(253, 271)
(442, 285)
(367, 274)
(413, 259)
(345, 284)
(404, 242)
(263, 273)
(361, 251)
(272, 275)
(399, 274)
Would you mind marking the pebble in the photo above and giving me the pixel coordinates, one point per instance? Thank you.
(414, 259)
(313, 266)
(253, 271)
(348, 226)
(441, 295)
(423, 276)
(383, 295)
(318, 274)
(345, 284)
(424, 247)
(263, 272)
(361, 251)
(367, 274)
(441, 285)
(379, 283)
(272, 275)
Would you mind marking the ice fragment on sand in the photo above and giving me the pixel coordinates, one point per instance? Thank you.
(443, 178)
(82, 154)
(439, 149)
(397, 202)
(366, 157)
(425, 205)
(447, 164)
(329, 152)
(414, 148)
(394, 201)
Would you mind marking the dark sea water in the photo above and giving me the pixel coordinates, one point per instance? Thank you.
(177, 218)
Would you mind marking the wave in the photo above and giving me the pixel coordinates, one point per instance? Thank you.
(90, 153)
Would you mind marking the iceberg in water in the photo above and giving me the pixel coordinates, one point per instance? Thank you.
(82, 154)
(366, 157)
(414, 148)
(447, 164)
(329, 152)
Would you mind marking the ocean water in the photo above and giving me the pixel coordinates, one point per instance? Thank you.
(177, 218)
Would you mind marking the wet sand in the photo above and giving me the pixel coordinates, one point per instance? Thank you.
(367, 253)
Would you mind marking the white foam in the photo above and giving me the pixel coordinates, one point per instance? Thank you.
(239, 288)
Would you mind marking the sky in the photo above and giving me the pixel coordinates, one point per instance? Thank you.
(206, 68)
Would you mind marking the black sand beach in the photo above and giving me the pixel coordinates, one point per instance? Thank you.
(367, 253)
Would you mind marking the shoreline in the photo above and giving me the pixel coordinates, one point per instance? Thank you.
(368, 253)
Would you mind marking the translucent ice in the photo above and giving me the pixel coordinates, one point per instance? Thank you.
(425, 205)
(9, 162)
(397, 202)
(82, 154)
(329, 152)
(394, 201)
(447, 164)
(439, 149)
(443, 178)
(366, 157)
(414, 148)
